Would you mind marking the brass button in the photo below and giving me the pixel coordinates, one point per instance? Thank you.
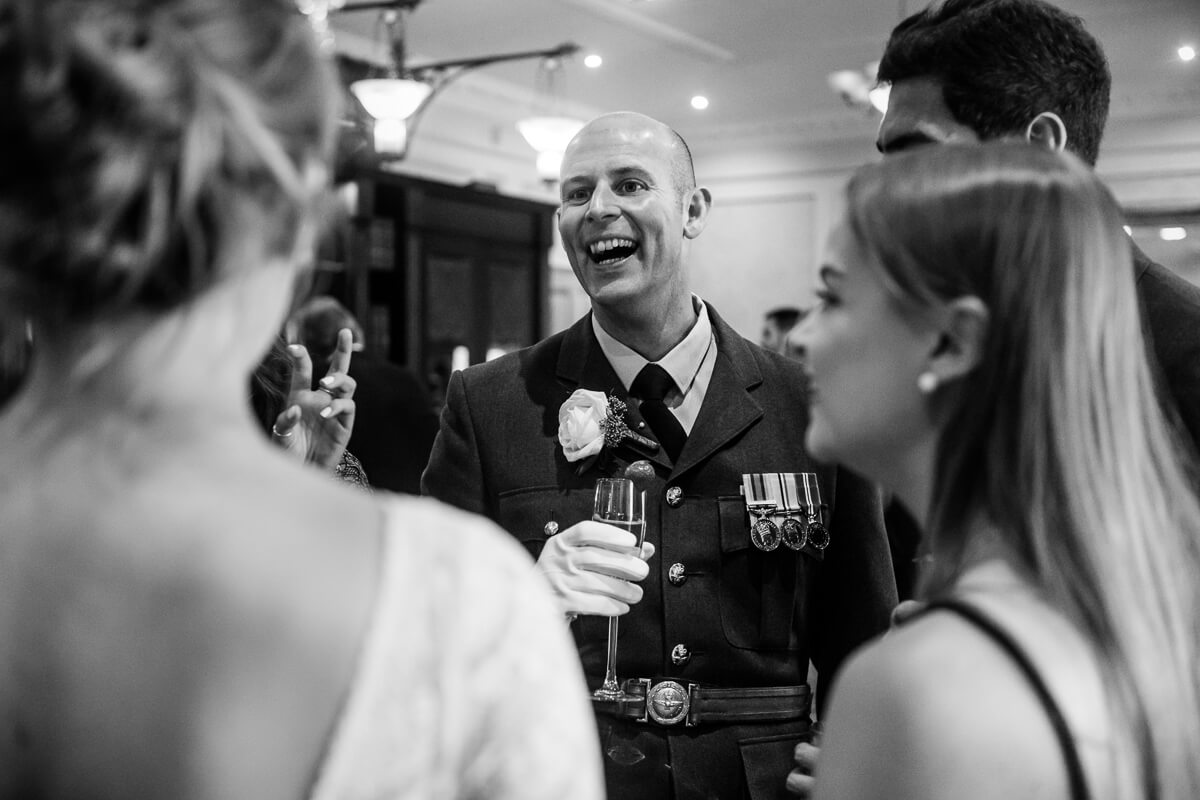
(674, 496)
(680, 655)
(550, 528)
(677, 575)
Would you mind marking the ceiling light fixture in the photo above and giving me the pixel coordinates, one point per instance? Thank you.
(860, 88)
(1172, 234)
(1187, 53)
(318, 12)
(548, 130)
(549, 137)
(699, 102)
(395, 99)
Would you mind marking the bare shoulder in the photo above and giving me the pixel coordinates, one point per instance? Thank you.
(193, 636)
(282, 598)
(951, 715)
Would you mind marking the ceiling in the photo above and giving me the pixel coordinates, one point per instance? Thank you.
(761, 63)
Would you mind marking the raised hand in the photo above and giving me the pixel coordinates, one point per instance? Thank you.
(316, 425)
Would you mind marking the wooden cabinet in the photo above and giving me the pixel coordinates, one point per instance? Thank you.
(442, 276)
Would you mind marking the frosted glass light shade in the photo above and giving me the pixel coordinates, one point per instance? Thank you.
(390, 98)
(549, 164)
(549, 134)
(391, 137)
(879, 97)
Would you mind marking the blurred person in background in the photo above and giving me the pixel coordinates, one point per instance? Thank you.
(776, 324)
(312, 424)
(395, 422)
(979, 70)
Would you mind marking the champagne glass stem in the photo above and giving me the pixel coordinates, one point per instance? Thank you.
(616, 504)
(610, 685)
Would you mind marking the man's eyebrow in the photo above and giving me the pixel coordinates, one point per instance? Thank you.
(575, 180)
(629, 171)
(905, 142)
(615, 174)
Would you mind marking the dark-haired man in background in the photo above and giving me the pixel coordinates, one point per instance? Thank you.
(777, 324)
(974, 70)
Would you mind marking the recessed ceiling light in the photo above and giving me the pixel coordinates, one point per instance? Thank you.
(593, 61)
(1173, 234)
(1187, 53)
(699, 102)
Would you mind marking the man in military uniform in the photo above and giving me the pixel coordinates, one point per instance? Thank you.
(763, 559)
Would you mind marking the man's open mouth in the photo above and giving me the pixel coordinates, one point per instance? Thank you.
(610, 251)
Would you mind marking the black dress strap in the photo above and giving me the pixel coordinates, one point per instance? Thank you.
(1075, 777)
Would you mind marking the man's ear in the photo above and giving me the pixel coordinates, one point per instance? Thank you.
(960, 345)
(699, 204)
(1048, 130)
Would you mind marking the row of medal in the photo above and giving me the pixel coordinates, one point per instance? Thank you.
(784, 508)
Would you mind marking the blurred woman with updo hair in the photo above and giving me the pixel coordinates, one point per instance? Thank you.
(186, 610)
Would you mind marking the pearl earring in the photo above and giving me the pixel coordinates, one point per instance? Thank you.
(927, 382)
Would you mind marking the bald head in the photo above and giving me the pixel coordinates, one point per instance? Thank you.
(629, 207)
(644, 134)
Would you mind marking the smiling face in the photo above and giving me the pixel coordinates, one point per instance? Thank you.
(917, 115)
(863, 356)
(624, 217)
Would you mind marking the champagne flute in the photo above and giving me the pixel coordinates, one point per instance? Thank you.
(618, 502)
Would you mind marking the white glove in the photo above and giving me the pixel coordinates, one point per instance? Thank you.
(590, 566)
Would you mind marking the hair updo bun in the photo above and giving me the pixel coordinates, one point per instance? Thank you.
(147, 142)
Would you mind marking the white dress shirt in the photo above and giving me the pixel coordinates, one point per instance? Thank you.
(689, 363)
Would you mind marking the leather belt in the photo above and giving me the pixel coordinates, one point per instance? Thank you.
(668, 702)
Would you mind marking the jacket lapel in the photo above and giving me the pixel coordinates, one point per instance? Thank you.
(728, 408)
(581, 362)
(582, 365)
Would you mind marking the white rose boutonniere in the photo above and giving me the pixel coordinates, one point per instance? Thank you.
(581, 424)
(588, 420)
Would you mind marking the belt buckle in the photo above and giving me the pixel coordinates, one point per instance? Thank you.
(668, 702)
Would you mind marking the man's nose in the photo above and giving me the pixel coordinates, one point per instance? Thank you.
(602, 204)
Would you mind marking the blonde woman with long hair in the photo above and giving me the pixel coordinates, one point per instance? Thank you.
(978, 350)
(186, 611)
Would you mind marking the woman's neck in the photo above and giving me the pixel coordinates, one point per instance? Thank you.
(182, 370)
(909, 473)
(974, 557)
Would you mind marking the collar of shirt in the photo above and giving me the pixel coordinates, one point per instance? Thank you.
(689, 363)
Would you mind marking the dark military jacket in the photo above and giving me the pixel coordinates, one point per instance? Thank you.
(716, 610)
(1171, 320)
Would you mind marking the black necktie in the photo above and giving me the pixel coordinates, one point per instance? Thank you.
(651, 386)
